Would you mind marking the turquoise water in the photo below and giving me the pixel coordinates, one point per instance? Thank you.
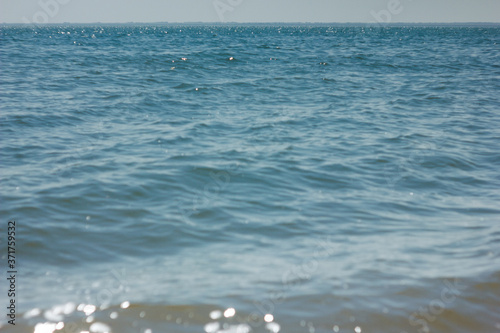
(340, 178)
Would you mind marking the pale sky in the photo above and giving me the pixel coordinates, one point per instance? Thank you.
(115, 11)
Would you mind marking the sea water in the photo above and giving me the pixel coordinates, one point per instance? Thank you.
(251, 178)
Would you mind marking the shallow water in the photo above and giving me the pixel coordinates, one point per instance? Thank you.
(340, 178)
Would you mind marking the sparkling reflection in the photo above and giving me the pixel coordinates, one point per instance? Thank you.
(32, 313)
(273, 327)
(89, 309)
(99, 328)
(45, 328)
(125, 305)
(230, 312)
(212, 327)
(86, 319)
(268, 318)
(216, 314)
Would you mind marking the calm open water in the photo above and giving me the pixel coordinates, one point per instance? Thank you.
(340, 178)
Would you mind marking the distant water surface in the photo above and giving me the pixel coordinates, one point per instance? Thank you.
(339, 178)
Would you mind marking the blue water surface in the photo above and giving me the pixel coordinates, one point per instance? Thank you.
(341, 178)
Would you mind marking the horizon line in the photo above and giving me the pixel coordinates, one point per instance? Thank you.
(266, 22)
